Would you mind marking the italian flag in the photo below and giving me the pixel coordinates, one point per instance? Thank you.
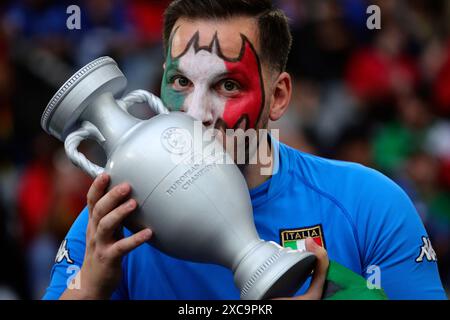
(301, 244)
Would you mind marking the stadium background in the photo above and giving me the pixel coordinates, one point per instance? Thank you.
(380, 98)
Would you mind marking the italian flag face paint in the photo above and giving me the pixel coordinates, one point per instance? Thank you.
(205, 67)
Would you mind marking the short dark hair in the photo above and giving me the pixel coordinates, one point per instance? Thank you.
(274, 33)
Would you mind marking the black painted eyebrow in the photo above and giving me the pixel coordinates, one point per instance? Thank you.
(194, 42)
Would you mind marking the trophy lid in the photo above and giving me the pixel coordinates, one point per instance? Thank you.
(97, 77)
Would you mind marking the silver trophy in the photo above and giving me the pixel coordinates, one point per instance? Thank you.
(180, 189)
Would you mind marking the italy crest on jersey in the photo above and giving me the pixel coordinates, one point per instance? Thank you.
(295, 238)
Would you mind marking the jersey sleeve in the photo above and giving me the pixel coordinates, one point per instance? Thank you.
(69, 259)
(396, 251)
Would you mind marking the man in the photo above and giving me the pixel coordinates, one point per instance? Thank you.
(225, 67)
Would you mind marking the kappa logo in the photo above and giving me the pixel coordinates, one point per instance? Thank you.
(427, 251)
(63, 253)
(295, 238)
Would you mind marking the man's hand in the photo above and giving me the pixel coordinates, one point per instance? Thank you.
(102, 266)
(320, 273)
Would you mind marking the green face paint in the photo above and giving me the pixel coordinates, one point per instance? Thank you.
(173, 99)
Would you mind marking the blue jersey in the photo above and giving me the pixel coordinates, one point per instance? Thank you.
(364, 220)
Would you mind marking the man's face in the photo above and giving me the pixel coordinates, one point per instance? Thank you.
(214, 74)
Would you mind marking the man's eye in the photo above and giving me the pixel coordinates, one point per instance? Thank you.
(229, 86)
(180, 82)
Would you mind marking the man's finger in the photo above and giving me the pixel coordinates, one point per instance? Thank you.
(124, 246)
(315, 289)
(96, 191)
(320, 272)
(110, 201)
(110, 222)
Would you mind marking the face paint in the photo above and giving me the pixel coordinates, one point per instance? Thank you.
(249, 105)
(173, 99)
(212, 87)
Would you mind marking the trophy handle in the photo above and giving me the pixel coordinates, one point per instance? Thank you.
(142, 96)
(90, 131)
(86, 131)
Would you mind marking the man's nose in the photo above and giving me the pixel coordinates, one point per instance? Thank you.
(201, 109)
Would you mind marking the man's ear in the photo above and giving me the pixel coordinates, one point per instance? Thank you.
(281, 96)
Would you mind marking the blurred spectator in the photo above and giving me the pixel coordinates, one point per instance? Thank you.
(13, 283)
(322, 40)
(396, 140)
(382, 70)
(35, 188)
(104, 31)
(442, 85)
(51, 192)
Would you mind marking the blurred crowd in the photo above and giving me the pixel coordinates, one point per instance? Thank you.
(377, 97)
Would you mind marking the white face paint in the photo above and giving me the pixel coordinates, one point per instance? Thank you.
(203, 69)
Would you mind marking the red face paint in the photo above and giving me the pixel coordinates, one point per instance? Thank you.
(249, 104)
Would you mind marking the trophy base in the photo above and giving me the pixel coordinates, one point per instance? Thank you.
(274, 271)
